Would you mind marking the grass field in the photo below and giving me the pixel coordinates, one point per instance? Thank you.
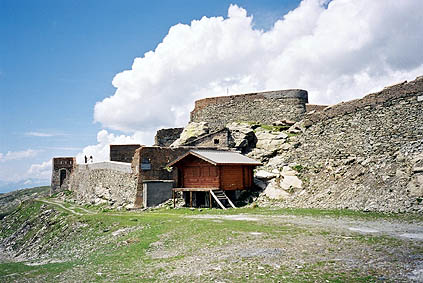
(69, 243)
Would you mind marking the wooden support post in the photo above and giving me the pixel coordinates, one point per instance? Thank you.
(210, 199)
(173, 196)
(190, 199)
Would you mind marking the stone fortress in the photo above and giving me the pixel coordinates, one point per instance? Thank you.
(365, 154)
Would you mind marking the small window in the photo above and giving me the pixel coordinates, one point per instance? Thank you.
(145, 164)
(216, 141)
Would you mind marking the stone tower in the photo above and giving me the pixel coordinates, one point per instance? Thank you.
(62, 168)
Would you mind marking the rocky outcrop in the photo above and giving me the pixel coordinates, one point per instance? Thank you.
(242, 136)
(191, 132)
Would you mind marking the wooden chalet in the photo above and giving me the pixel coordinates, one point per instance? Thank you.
(204, 175)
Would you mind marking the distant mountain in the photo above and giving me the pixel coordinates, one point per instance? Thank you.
(28, 183)
(10, 200)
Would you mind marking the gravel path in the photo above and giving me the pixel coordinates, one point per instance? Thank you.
(396, 229)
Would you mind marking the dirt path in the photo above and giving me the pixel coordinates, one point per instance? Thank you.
(396, 229)
(70, 209)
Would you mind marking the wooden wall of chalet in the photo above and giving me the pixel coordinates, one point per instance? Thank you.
(197, 173)
(236, 177)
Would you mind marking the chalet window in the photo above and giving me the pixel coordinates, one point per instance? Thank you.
(216, 141)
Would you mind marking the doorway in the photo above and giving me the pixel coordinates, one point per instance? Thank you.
(62, 176)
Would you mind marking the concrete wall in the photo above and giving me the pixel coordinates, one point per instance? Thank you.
(156, 191)
(123, 152)
(364, 154)
(264, 107)
(165, 137)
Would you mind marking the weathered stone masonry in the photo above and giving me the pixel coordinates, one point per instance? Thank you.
(263, 107)
(123, 152)
(165, 137)
(62, 168)
(365, 154)
(105, 182)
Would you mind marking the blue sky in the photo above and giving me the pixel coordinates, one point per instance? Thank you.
(64, 90)
(58, 58)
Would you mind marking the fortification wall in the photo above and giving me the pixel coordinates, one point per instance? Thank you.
(123, 152)
(263, 107)
(365, 154)
(165, 137)
(106, 182)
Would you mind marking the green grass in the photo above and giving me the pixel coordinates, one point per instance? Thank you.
(127, 257)
(9, 201)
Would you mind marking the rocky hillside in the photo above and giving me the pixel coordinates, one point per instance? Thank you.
(9, 201)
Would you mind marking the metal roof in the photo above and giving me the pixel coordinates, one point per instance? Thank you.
(217, 157)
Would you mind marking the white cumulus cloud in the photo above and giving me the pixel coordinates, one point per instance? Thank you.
(336, 51)
(101, 151)
(40, 171)
(16, 155)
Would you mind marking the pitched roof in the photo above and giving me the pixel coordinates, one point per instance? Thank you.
(217, 157)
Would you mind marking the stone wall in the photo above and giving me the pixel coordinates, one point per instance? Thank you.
(219, 139)
(263, 107)
(366, 154)
(112, 183)
(165, 137)
(150, 164)
(123, 152)
(61, 165)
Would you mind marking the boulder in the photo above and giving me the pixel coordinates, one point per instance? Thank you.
(242, 136)
(274, 191)
(276, 162)
(270, 141)
(191, 132)
(265, 175)
(290, 180)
